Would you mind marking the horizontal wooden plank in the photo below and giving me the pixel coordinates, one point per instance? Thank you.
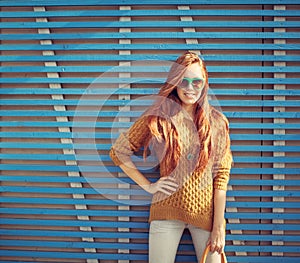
(116, 202)
(146, 2)
(75, 212)
(153, 35)
(138, 214)
(104, 113)
(94, 81)
(132, 256)
(136, 235)
(106, 158)
(133, 192)
(98, 103)
(150, 12)
(229, 226)
(113, 135)
(100, 168)
(80, 234)
(70, 47)
(264, 227)
(114, 180)
(135, 246)
(69, 201)
(71, 255)
(153, 24)
(146, 69)
(137, 57)
(39, 233)
(143, 91)
(140, 225)
(44, 145)
(48, 124)
(262, 259)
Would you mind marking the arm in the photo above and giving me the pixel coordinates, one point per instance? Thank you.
(131, 142)
(217, 237)
(221, 178)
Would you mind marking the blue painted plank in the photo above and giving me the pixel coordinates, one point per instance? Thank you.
(100, 168)
(79, 234)
(62, 201)
(77, 223)
(261, 237)
(71, 255)
(120, 256)
(111, 202)
(114, 135)
(145, 69)
(263, 227)
(73, 212)
(100, 102)
(263, 215)
(66, 244)
(103, 114)
(134, 57)
(106, 158)
(145, 2)
(153, 35)
(233, 126)
(136, 235)
(131, 213)
(153, 24)
(149, 13)
(263, 249)
(65, 80)
(133, 192)
(142, 91)
(69, 47)
(264, 204)
(238, 148)
(137, 246)
(140, 225)
(114, 180)
(264, 182)
(262, 259)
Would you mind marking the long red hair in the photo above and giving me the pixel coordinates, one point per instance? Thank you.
(168, 105)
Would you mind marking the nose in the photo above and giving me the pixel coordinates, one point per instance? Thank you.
(190, 86)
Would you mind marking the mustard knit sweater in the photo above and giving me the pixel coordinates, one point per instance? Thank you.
(192, 203)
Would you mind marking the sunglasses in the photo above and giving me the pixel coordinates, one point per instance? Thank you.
(197, 83)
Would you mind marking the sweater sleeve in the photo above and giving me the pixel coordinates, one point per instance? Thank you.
(130, 141)
(222, 166)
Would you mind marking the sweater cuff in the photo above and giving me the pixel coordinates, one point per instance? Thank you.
(221, 179)
(114, 157)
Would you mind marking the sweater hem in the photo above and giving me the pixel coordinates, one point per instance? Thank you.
(171, 213)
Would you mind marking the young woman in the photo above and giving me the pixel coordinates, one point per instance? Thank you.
(191, 141)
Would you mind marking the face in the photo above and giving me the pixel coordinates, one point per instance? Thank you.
(192, 85)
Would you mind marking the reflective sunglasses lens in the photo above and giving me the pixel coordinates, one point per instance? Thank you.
(197, 83)
(184, 83)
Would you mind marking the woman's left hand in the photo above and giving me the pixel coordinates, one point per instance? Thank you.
(217, 240)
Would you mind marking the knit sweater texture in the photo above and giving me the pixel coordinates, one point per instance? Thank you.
(192, 203)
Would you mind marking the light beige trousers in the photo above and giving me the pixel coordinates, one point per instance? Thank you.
(164, 238)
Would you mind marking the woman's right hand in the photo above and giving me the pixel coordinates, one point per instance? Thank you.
(166, 185)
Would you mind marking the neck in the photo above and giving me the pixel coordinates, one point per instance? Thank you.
(190, 109)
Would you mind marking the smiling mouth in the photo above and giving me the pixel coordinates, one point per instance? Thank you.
(189, 94)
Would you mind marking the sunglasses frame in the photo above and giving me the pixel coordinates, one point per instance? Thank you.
(190, 81)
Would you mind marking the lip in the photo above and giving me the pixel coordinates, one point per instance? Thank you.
(189, 94)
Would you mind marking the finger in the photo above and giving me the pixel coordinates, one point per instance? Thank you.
(168, 184)
(212, 247)
(165, 191)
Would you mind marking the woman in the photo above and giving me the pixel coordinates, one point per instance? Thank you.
(192, 144)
